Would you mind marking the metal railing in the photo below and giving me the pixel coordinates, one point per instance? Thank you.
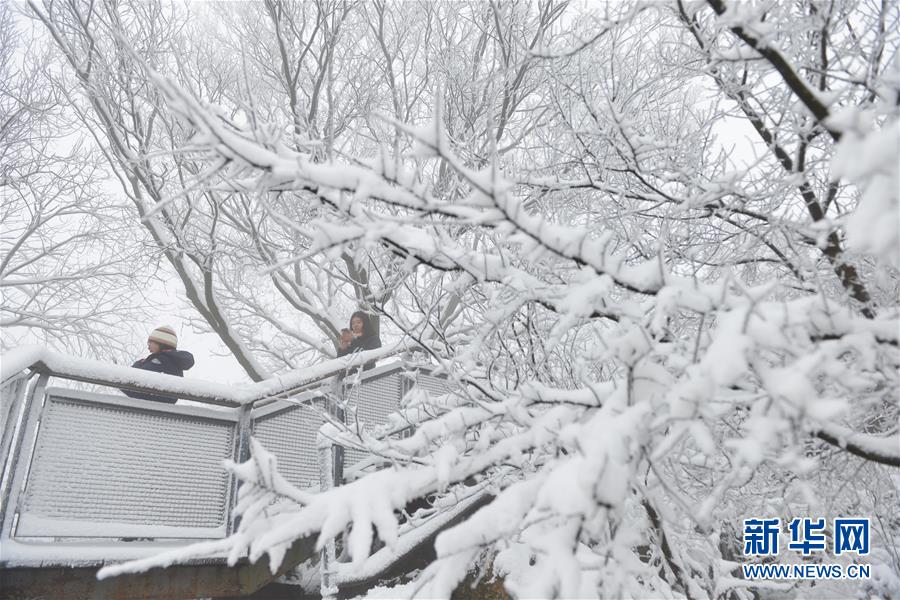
(90, 477)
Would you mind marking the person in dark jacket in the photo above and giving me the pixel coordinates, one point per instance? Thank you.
(359, 337)
(164, 358)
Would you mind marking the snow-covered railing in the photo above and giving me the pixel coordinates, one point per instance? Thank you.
(41, 360)
(91, 477)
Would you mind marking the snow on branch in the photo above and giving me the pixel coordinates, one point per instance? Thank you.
(884, 450)
(649, 325)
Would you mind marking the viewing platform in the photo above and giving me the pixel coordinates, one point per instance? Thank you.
(92, 477)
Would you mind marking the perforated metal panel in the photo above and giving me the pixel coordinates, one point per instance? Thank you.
(96, 463)
(372, 401)
(290, 435)
(375, 399)
(436, 386)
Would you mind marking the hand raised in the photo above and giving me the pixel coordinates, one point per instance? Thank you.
(346, 338)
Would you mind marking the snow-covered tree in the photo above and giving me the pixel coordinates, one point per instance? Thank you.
(654, 247)
(67, 271)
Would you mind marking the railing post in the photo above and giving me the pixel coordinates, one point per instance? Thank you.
(12, 399)
(335, 407)
(331, 474)
(245, 430)
(328, 586)
(241, 454)
(14, 473)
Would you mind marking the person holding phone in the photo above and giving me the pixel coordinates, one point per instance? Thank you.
(360, 336)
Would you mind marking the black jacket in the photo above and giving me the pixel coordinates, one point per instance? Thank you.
(365, 342)
(170, 362)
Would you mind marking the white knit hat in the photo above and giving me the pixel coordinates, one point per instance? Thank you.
(164, 335)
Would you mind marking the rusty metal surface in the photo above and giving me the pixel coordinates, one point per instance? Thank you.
(178, 582)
